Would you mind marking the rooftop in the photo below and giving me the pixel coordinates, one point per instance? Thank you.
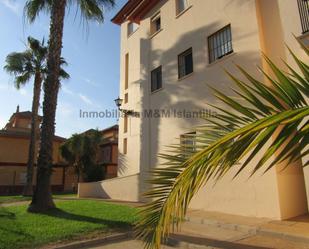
(24, 134)
(134, 11)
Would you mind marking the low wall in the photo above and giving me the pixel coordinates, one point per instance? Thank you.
(121, 188)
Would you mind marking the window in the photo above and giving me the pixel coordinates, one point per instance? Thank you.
(303, 6)
(155, 24)
(106, 154)
(125, 146)
(132, 27)
(23, 178)
(156, 79)
(125, 124)
(187, 142)
(185, 63)
(126, 98)
(220, 44)
(181, 5)
(126, 76)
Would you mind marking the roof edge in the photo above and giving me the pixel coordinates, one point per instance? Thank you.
(134, 11)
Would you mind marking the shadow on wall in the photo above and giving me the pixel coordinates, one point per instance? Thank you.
(191, 93)
(122, 163)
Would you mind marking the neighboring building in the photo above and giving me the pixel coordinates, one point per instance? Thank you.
(108, 153)
(108, 156)
(170, 51)
(14, 145)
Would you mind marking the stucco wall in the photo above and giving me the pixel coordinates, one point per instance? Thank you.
(258, 196)
(121, 188)
(13, 158)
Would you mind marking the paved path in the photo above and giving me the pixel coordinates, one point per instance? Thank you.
(129, 244)
(254, 242)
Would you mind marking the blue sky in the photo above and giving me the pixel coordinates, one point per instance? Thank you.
(93, 58)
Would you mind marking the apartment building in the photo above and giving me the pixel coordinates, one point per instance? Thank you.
(14, 146)
(171, 51)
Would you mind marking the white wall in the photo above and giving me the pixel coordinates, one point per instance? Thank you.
(257, 196)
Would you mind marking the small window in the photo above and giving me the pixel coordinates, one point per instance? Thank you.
(188, 142)
(125, 124)
(155, 24)
(220, 44)
(106, 154)
(303, 6)
(185, 63)
(125, 146)
(156, 79)
(126, 98)
(132, 27)
(126, 76)
(181, 5)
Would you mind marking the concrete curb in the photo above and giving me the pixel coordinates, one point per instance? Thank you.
(95, 242)
(282, 235)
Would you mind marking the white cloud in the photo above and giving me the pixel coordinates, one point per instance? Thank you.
(3, 87)
(85, 99)
(90, 82)
(12, 5)
(23, 92)
(65, 109)
(11, 88)
(67, 90)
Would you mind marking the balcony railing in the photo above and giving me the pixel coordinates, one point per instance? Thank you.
(303, 6)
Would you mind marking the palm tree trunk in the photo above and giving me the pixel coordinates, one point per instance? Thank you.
(42, 199)
(28, 190)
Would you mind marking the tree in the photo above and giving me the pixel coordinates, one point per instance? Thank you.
(23, 66)
(90, 10)
(81, 151)
(277, 113)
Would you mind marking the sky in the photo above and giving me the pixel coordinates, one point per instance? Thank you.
(92, 52)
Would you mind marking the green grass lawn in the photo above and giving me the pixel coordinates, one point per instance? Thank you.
(17, 198)
(19, 229)
(13, 198)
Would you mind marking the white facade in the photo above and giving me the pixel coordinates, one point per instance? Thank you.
(256, 25)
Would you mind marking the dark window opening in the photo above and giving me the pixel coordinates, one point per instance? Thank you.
(220, 44)
(303, 6)
(185, 63)
(156, 79)
(155, 24)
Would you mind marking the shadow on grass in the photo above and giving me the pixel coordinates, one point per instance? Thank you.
(8, 226)
(59, 213)
(17, 232)
(6, 214)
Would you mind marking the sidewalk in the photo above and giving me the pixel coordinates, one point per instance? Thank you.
(218, 230)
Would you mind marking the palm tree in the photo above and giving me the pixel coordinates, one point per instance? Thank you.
(81, 151)
(72, 151)
(90, 10)
(260, 114)
(23, 66)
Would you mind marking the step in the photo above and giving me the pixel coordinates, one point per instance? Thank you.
(224, 231)
(193, 235)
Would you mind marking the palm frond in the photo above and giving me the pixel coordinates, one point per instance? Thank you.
(20, 66)
(92, 10)
(33, 8)
(260, 115)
